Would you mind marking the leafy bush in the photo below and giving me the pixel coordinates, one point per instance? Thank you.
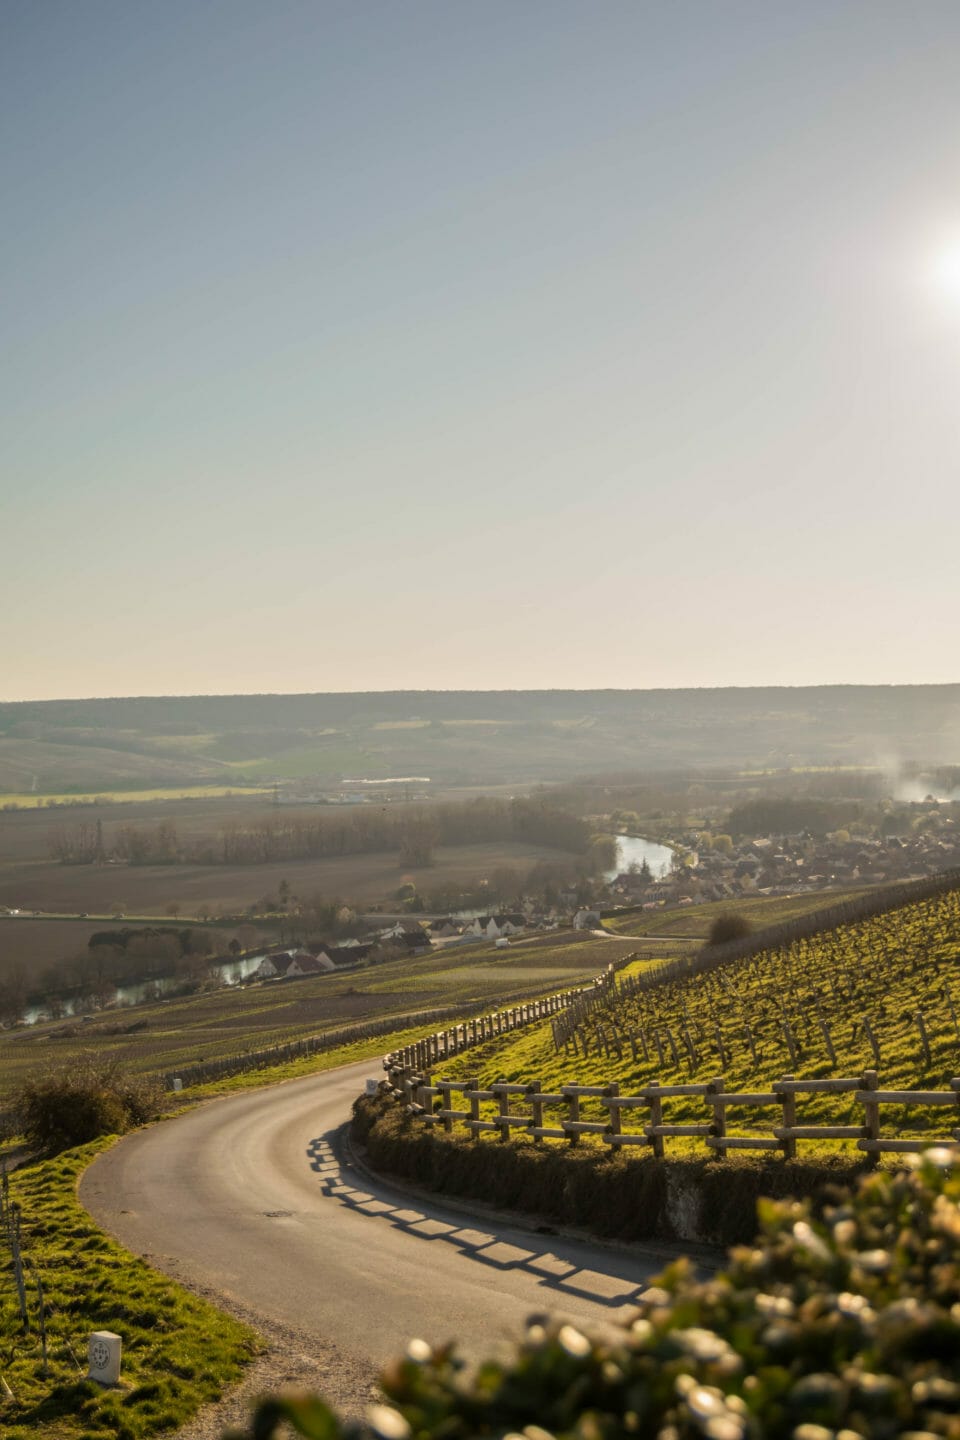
(728, 926)
(840, 1317)
(82, 1101)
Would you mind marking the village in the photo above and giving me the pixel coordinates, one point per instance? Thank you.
(722, 869)
(704, 870)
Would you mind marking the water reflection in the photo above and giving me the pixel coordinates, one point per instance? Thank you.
(229, 971)
(634, 850)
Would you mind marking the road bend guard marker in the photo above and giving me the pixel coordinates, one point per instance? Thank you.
(103, 1355)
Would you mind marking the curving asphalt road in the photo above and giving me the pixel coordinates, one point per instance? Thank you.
(252, 1198)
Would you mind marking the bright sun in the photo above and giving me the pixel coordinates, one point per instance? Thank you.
(946, 273)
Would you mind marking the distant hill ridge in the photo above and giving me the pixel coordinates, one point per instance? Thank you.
(461, 736)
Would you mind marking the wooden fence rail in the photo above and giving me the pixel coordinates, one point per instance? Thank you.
(429, 1050)
(521, 1107)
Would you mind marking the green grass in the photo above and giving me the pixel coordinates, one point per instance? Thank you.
(233, 1020)
(326, 761)
(372, 1049)
(885, 969)
(178, 1351)
(694, 921)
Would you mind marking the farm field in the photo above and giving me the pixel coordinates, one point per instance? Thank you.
(147, 889)
(233, 1020)
(808, 1009)
(30, 880)
(70, 800)
(25, 834)
(694, 921)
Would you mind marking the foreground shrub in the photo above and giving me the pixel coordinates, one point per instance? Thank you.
(729, 925)
(841, 1317)
(81, 1102)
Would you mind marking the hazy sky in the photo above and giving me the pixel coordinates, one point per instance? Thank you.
(478, 345)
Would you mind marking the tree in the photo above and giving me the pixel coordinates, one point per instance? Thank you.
(729, 925)
(173, 909)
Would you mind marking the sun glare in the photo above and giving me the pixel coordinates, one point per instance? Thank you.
(946, 273)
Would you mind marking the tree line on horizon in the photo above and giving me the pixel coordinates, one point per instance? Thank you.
(413, 831)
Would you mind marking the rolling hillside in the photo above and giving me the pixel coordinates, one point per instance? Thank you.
(462, 736)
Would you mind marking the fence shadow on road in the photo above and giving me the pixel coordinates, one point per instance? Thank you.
(617, 1288)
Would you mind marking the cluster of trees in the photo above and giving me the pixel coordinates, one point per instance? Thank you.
(785, 815)
(412, 831)
(505, 887)
(123, 957)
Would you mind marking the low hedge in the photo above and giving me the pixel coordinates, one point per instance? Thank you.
(840, 1321)
(616, 1197)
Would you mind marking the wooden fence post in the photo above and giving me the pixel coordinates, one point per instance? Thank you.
(788, 1100)
(574, 1101)
(474, 1085)
(18, 1264)
(536, 1107)
(504, 1107)
(716, 1087)
(615, 1127)
(871, 1114)
(656, 1117)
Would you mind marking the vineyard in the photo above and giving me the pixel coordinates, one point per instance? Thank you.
(872, 996)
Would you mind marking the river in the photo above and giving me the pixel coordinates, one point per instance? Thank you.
(634, 850)
(231, 971)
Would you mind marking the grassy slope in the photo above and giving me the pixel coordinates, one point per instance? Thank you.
(179, 1352)
(887, 968)
(233, 1020)
(694, 921)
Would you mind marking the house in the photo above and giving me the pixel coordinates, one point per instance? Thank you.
(341, 955)
(491, 927)
(273, 965)
(415, 940)
(443, 929)
(303, 963)
(586, 920)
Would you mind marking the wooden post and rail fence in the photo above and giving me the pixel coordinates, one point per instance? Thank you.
(444, 1044)
(520, 1108)
(428, 1051)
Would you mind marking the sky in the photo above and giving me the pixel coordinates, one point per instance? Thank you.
(432, 345)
